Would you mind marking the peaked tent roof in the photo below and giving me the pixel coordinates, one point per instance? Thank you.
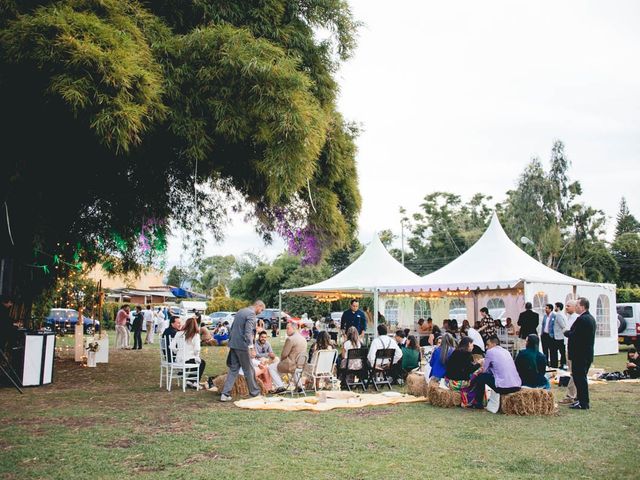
(374, 268)
(493, 262)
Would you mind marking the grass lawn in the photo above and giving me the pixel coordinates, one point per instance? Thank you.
(114, 422)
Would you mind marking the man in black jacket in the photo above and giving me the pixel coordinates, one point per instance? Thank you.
(580, 351)
(169, 333)
(137, 328)
(528, 322)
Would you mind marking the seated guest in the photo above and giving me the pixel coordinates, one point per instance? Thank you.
(465, 327)
(259, 326)
(498, 372)
(267, 358)
(191, 351)
(383, 342)
(633, 363)
(531, 364)
(322, 343)
(410, 355)
(453, 329)
(332, 328)
(445, 325)
(223, 334)
(435, 334)
(461, 371)
(424, 330)
(478, 343)
(511, 328)
(352, 341)
(205, 336)
(400, 338)
(169, 333)
(261, 369)
(263, 348)
(406, 331)
(440, 356)
(294, 345)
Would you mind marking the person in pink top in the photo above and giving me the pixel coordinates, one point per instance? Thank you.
(122, 334)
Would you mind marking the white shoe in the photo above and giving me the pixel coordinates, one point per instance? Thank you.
(225, 398)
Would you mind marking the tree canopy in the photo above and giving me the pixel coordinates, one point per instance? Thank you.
(122, 119)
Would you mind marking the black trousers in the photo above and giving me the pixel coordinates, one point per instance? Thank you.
(547, 345)
(202, 365)
(137, 339)
(579, 369)
(557, 346)
(488, 379)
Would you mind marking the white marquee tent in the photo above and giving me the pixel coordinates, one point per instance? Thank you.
(496, 273)
(374, 268)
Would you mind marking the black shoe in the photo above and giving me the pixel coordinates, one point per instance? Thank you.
(277, 391)
(577, 406)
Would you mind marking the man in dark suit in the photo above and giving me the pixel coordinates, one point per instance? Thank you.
(137, 328)
(169, 333)
(240, 340)
(528, 322)
(580, 351)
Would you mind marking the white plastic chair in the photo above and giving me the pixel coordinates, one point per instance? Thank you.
(296, 384)
(189, 372)
(323, 367)
(164, 361)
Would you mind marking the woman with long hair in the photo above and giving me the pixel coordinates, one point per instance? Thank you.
(323, 342)
(410, 354)
(461, 371)
(440, 356)
(352, 341)
(190, 352)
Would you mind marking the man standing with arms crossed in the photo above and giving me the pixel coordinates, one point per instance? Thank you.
(240, 339)
(581, 339)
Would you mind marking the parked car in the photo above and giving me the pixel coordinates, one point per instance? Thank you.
(271, 315)
(221, 317)
(65, 319)
(629, 323)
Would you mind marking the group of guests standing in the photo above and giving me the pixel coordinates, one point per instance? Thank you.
(148, 319)
(454, 361)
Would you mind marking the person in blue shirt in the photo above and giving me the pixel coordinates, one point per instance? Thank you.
(354, 317)
(440, 355)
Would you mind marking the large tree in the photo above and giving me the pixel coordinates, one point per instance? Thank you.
(625, 221)
(123, 118)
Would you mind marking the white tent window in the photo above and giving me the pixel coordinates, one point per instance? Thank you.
(496, 308)
(539, 301)
(421, 309)
(458, 310)
(603, 323)
(391, 313)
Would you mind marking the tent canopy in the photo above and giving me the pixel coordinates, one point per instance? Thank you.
(374, 268)
(493, 262)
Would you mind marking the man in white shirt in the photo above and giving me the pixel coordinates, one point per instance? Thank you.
(382, 342)
(149, 318)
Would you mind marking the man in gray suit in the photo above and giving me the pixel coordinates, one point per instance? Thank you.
(240, 339)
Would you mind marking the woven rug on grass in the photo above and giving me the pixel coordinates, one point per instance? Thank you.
(314, 404)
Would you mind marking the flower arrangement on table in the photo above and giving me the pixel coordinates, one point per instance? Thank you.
(93, 346)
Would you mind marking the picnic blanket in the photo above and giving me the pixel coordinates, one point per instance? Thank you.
(315, 404)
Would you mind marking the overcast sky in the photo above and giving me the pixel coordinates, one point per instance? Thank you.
(459, 96)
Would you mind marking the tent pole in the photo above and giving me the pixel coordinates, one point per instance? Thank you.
(279, 309)
(376, 306)
(475, 307)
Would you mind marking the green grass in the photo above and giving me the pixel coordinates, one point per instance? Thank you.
(114, 422)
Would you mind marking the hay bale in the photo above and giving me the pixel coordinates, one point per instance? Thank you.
(443, 397)
(239, 388)
(417, 385)
(528, 401)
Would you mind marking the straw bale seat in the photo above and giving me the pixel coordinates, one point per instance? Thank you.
(417, 385)
(239, 388)
(528, 401)
(443, 397)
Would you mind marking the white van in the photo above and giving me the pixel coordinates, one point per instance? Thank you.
(629, 323)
